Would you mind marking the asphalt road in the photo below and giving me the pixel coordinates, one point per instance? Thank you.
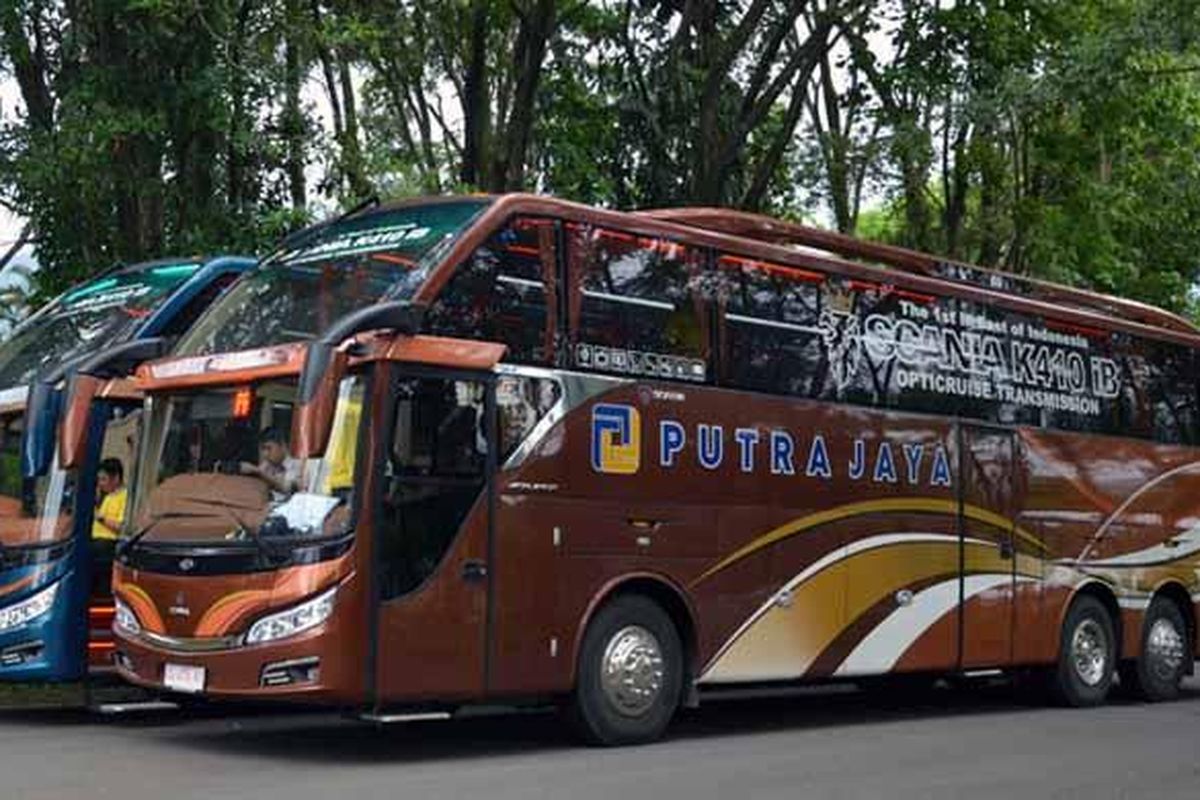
(978, 743)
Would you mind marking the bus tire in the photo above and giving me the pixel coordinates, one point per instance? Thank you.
(1086, 654)
(1157, 674)
(630, 674)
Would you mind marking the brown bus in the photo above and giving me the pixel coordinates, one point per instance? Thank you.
(543, 452)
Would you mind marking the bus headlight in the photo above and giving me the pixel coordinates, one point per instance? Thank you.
(15, 616)
(293, 621)
(125, 620)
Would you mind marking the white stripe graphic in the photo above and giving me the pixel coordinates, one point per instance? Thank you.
(879, 650)
(829, 559)
(1181, 546)
(1145, 487)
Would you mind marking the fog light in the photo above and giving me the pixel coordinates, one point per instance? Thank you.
(123, 661)
(288, 673)
(20, 654)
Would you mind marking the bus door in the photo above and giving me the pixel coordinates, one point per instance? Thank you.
(116, 429)
(988, 510)
(432, 536)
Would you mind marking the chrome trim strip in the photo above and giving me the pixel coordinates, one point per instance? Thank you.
(770, 323)
(524, 283)
(627, 300)
(191, 645)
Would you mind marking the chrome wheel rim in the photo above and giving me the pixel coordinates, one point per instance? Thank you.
(1089, 652)
(632, 670)
(1164, 650)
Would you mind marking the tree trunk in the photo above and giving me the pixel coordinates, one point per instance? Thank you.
(29, 67)
(474, 98)
(293, 116)
(536, 28)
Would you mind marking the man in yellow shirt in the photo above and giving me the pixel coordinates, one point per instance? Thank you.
(110, 511)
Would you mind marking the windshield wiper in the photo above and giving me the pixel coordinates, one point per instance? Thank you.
(269, 554)
(127, 544)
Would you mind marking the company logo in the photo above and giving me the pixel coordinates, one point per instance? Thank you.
(180, 608)
(616, 439)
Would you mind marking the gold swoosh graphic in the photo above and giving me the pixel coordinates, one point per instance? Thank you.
(934, 505)
(143, 606)
(212, 623)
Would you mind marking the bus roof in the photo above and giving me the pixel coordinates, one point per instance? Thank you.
(768, 229)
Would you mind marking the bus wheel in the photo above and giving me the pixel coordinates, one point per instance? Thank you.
(1157, 674)
(1086, 654)
(630, 674)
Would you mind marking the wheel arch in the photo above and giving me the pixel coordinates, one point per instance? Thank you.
(660, 589)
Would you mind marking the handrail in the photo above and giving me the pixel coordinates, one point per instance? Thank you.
(773, 231)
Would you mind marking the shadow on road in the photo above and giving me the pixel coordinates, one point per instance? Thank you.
(317, 739)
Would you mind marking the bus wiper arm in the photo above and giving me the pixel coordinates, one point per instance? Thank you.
(268, 554)
(128, 543)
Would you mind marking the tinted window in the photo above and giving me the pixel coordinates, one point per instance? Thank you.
(770, 332)
(505, 292)
(638, 305)
(435, 472)
(104, 312)
(329, 272)
(522, 402)
(1157, 397)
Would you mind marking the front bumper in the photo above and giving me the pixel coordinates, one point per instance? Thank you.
(306, 668)
(49, 648)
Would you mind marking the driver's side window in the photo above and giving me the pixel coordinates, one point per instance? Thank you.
(435, 472)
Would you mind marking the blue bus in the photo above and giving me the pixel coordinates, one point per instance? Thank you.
(55, 605)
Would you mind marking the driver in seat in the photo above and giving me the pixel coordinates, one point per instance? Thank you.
(280, 471)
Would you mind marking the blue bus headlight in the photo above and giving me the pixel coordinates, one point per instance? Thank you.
(293, 621)
(125, 620)
(27, 610)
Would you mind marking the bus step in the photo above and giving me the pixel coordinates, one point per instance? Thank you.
(135, 707)
(390, 719)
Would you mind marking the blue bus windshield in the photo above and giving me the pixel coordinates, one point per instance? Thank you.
(103, 312)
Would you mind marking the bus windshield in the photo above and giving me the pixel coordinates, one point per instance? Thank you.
(215, 467)
(32, 511)
(103, 312)
(300, 291)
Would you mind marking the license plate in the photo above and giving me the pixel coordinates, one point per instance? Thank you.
(182, 678)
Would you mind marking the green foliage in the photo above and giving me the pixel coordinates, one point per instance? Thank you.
(1049, 138)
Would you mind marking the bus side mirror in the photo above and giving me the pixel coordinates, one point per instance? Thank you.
(72, 436)
(324, 368)
(86, 383)
(325, 364)
(41, 420)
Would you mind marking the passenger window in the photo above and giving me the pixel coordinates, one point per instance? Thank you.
(435, 472)
(1157, 397)
(522, 402)
(10, 459)
(637, 304)
(770, 333)
(505, 292)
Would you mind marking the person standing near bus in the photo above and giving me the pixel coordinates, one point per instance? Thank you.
(110, 511)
